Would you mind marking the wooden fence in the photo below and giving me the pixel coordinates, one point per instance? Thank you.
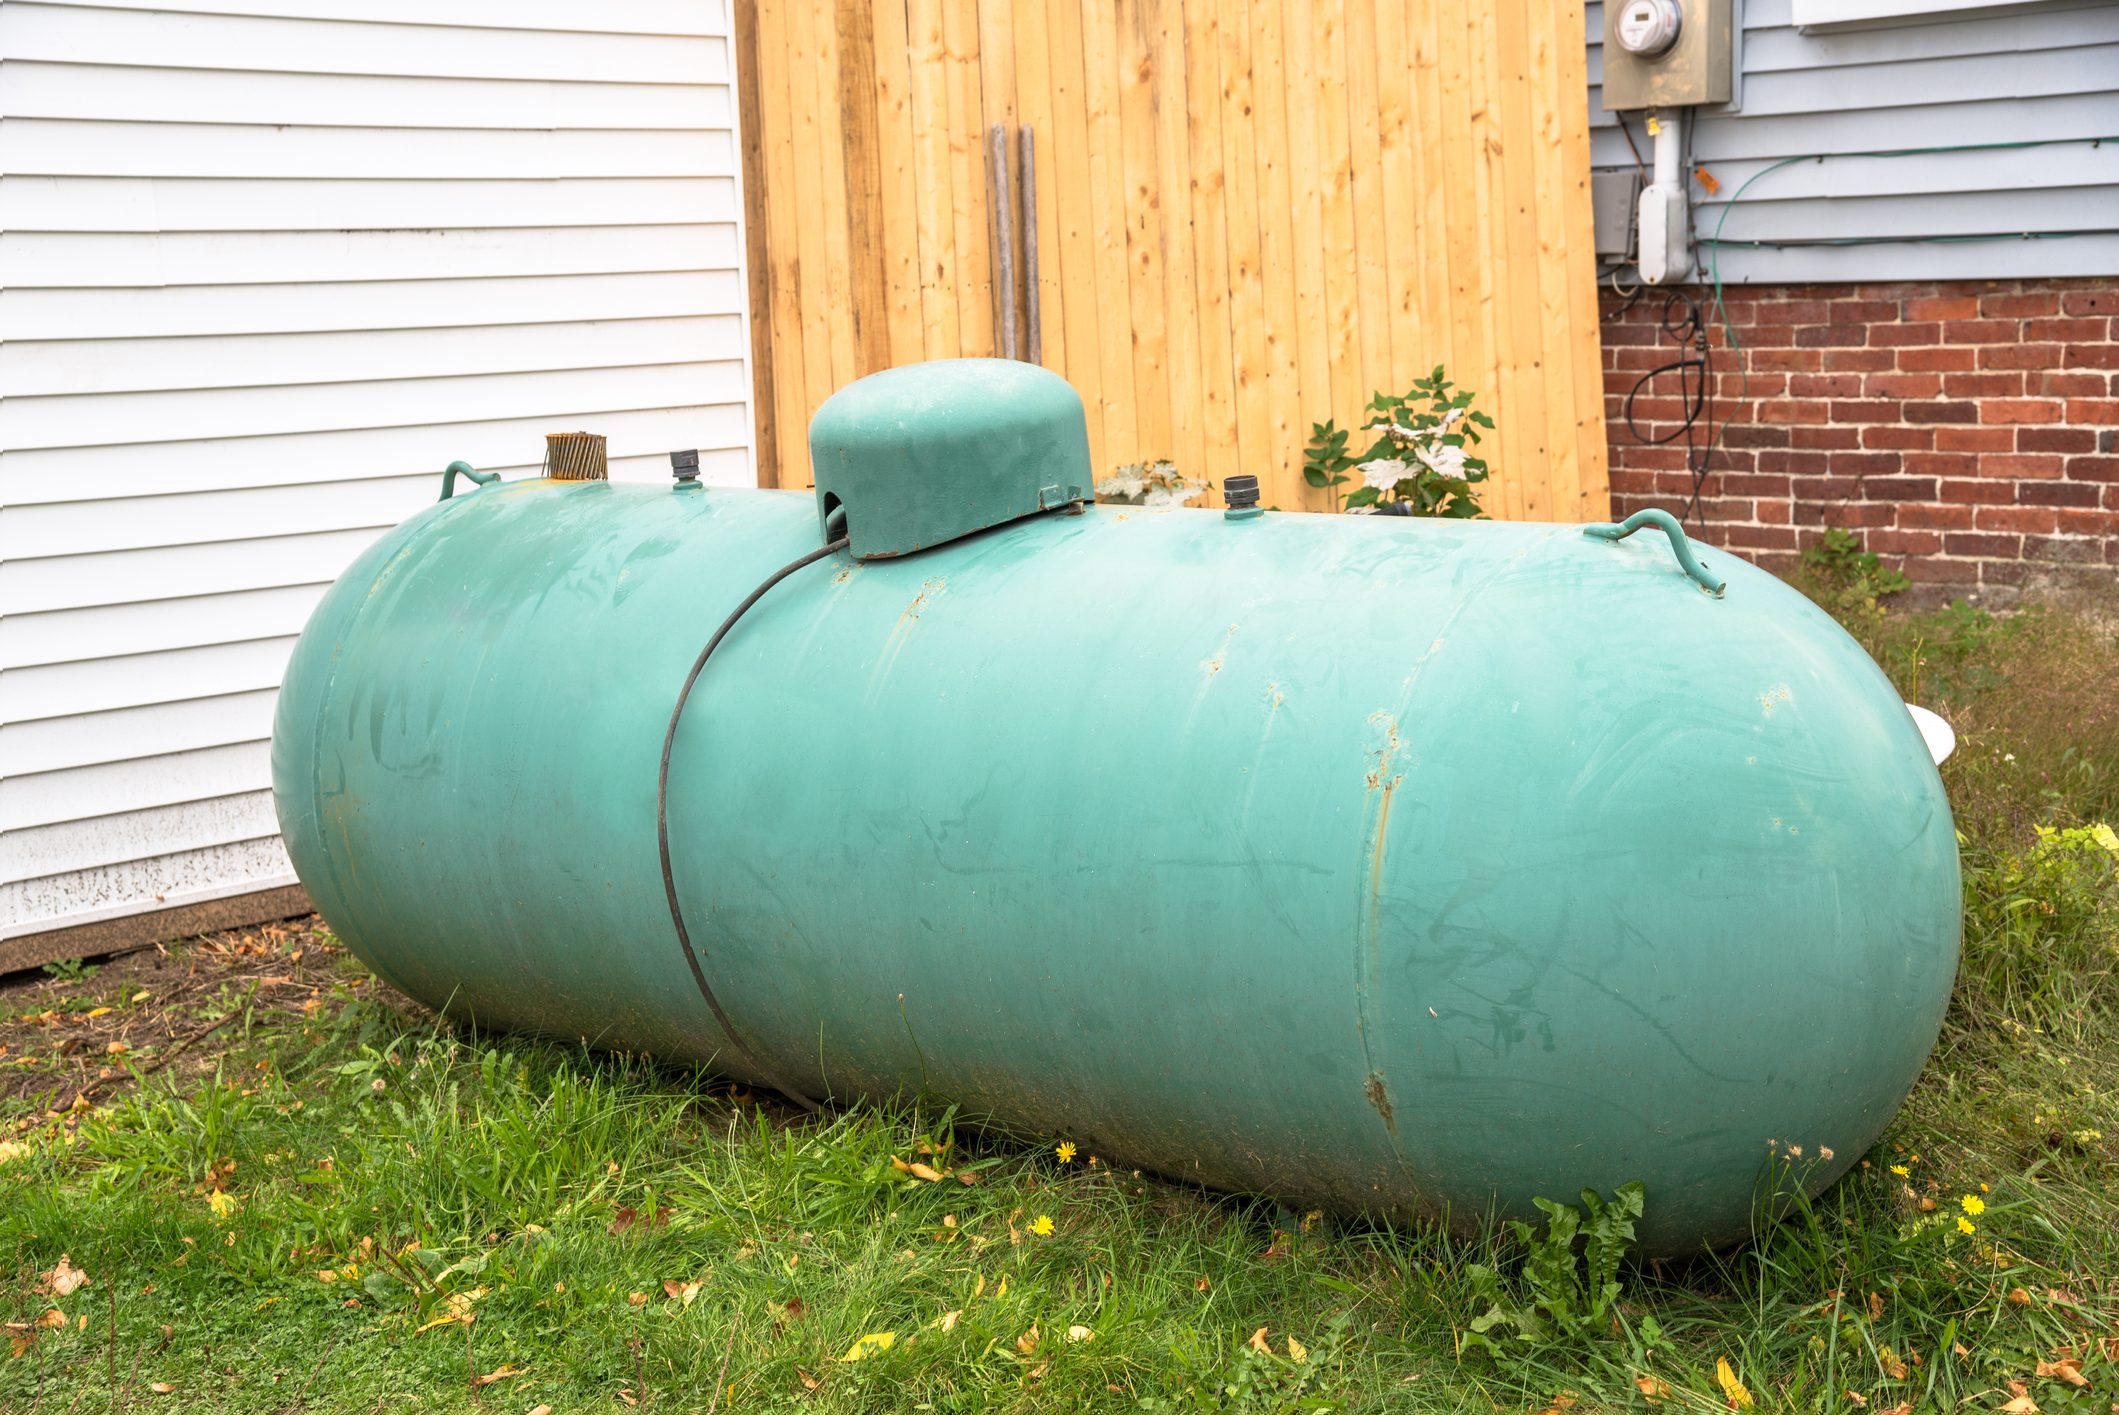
(1248, 218)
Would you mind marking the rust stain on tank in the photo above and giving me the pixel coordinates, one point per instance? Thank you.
(1379, 1096)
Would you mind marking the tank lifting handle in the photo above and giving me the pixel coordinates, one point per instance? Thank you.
(1668, 525)
(456, 469)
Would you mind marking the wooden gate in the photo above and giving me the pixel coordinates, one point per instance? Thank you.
(1247, 217)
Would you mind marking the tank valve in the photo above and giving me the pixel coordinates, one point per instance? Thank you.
(684, 466)
(1241, 494)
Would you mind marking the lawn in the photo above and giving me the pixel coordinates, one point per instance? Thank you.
(237, 1174)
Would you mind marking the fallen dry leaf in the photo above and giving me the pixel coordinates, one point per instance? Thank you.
(1876, 1306)
(2021, 1405)
(1652, 1388)
(869, 1345)
(1903, 1409)
(1725, 1376)
(162, 1388)
(949, 1320)
(1258, 1341)
(1027, 1342)
(1299, 1353)
(2019, 1298)
(636, 1299)
(684, 1292)
(63, 1280)
(1200, 1284)
(1037, 1372)
(1080, 1333)
(809, 1382)
(2069, 1370)
(498, 1373)
(541, 1410)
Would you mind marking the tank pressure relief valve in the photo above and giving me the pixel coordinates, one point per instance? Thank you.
(1241, 494)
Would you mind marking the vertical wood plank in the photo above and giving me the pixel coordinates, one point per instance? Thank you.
(1512, 162)
(1034, 88)
(1575, 261)
(1209, 323)
(1412, 353)
(1134, 26)
(1073, 254)
(934, 187)
(967, 170)
(813, 264)
(897, 183)
(997, 108)
(757, 247)
(783, 238)
(832, 216)
(1342, 293)
(1247, 308)
(1307, 178)
(1372, 243)
(1495, 364)
(1281, 468)
(1107, 226)
(868, 303)
(1461, 130)
(1174, 210)
(1437, 188)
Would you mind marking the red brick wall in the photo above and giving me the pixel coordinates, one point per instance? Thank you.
(1968, 431)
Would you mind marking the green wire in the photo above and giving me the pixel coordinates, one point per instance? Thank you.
(1714, 262)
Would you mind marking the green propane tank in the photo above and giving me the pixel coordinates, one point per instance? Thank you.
(1394, 866)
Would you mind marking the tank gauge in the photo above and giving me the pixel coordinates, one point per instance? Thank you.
(1648, 28)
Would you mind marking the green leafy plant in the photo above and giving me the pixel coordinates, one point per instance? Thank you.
(1844, 576)
(1569, 1283)
(1420, 457)
(1156, 483)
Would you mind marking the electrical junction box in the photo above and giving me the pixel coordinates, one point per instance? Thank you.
(1668, 53)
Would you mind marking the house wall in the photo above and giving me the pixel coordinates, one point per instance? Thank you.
(2020, 73)
(1923, 347)
(1968, 431)
(267, 266)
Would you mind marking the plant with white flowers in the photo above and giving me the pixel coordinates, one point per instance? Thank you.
(1157, 483)
(1420, 463)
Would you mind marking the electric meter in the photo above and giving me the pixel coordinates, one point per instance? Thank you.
(1649, 27)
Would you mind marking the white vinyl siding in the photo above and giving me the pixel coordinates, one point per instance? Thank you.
(265, 267)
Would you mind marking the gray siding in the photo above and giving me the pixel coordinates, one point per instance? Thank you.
(2020, 75)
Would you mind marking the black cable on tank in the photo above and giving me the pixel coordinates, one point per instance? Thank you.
(662, 820)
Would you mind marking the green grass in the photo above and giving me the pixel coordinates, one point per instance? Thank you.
(542, 1189)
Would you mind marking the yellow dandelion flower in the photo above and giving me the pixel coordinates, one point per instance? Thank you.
(1965, 1225)
(1972, 1204)
(1901, 1171)
(1042, 1225)
(1065, 1152)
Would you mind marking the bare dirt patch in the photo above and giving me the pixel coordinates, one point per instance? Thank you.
(76, 1036)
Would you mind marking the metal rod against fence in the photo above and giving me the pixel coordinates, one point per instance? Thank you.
(1034, 334)
(1004, 236)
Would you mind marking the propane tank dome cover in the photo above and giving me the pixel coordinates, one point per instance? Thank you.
(923, 454)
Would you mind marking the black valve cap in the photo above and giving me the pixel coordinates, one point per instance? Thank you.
(1240, 492)
(684, 466)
